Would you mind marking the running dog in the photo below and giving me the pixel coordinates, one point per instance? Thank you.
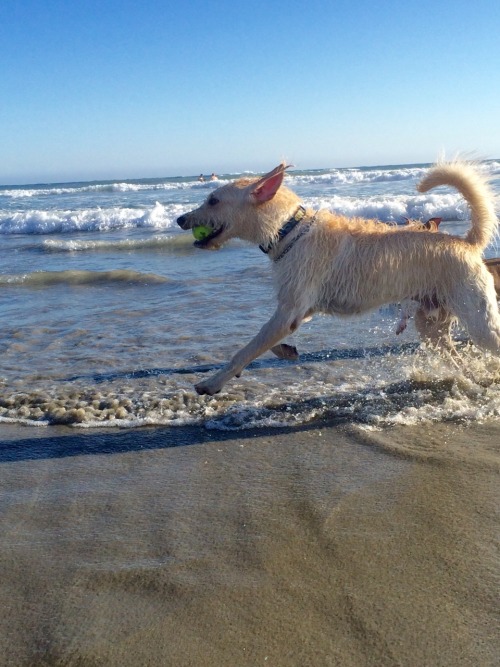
(327, 263)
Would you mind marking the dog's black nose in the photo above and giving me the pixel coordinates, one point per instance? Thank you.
(181, 220)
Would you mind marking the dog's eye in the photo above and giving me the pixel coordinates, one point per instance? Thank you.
(212, 201)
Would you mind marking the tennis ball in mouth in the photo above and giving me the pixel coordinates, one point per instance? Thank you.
(201, 232)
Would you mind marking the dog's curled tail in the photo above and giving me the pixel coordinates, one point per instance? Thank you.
(476, 190)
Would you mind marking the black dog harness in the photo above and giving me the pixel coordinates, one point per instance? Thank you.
(286, 229)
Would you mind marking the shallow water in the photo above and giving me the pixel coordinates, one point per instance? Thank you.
(110, 315)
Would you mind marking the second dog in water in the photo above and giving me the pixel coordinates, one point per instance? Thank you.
(326, 263)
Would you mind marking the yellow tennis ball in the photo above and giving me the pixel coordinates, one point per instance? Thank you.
(201, 232)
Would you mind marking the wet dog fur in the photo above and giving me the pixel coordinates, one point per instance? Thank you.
(409, 307)
(344, 266)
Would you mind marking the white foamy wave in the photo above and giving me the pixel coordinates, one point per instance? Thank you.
(358, 176)
(347, 176)
(393, 388)
(116, 187)
(395, 208)
(384, 208)
(493, 167)
(405, 390)
(105, 187)
(93, 219)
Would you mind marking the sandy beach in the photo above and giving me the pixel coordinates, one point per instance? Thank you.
(334, 502)
(309, 539)
(332, 545)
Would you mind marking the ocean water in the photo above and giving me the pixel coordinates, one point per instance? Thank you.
(110, 314)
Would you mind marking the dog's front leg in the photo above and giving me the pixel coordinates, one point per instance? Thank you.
(281, 324)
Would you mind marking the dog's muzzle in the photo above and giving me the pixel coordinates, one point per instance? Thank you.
(183, 221)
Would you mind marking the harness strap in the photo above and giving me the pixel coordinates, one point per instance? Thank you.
(286, 229)
(303, 231)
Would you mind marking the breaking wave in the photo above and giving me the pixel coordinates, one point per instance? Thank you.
(88, 220)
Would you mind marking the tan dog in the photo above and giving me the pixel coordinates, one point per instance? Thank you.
(325, 263)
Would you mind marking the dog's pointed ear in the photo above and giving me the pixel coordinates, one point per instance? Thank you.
(433, 224)
(436, 221)
(267, 186)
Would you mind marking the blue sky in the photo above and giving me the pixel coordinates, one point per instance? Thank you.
(118, 89)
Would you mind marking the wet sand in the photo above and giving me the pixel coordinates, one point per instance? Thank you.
(329, 545)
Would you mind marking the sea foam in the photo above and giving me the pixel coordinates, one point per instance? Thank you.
(35, 221)
(159, 216)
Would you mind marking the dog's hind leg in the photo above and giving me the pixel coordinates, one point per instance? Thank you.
(478, 312)
(281, 324)
(434, 329)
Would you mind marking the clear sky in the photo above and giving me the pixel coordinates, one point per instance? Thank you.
(118, 89)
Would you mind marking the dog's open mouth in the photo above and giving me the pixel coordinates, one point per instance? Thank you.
(206, 241)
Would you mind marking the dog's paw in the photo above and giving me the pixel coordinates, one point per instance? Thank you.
(207, 388)
(284, 351)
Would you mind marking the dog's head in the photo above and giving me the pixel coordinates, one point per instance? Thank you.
(245, 209)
